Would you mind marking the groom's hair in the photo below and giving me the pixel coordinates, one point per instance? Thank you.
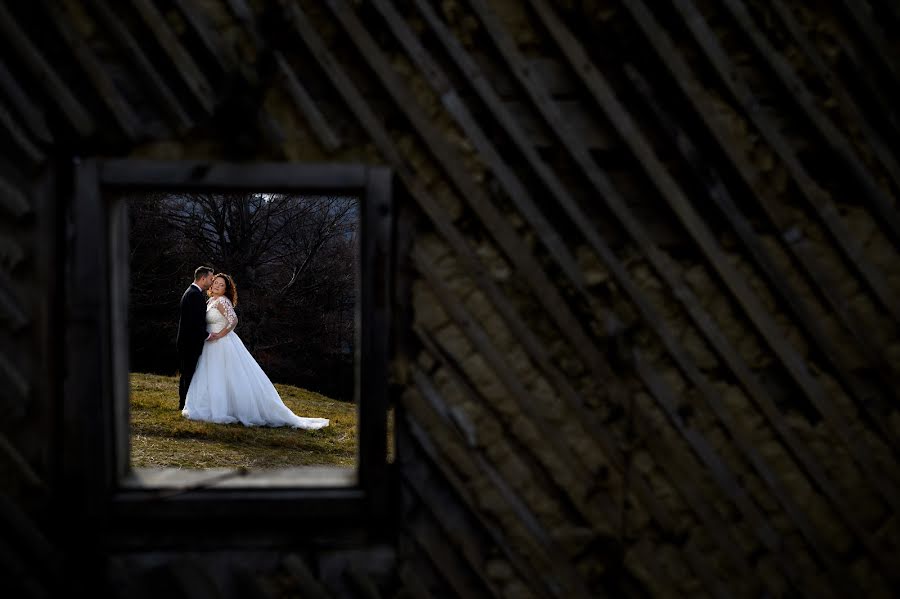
(202, 271)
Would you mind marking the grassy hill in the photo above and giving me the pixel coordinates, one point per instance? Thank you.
(161, 437)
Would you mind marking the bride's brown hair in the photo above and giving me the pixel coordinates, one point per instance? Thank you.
(230, 288)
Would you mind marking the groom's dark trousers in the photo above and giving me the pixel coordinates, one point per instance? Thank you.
(191, 336)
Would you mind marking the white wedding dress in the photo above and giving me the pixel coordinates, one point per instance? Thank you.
(228, 384)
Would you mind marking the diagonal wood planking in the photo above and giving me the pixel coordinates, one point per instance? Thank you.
(77, 115)
(29, 108)
(358, 34)
(609, 259)
(687, 472)
(334, 71)
(453, 103)
(818, 197)
(515, 249)
(431, 408)
(190, 73)
(425, 9)
(849, 105)
(158, 86)
(456, 374)
(670, 55)
(678, 354)
(98, 76)
(603, 93)
(19, 137)
(827, 211)
(775, 417)
(837, 142)
(763, 193)
(566, 466)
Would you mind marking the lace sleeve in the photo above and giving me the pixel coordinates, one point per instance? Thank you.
(227, 310)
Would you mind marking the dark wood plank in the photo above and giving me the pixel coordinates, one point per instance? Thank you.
(874, 35)
(86, 413)
(604, 513)
(427, 529)
(689, 86)
(871, 401)
(309, 586)
(599, 87)
(513, 246)
(561, 576)
(841, 234)
(684, 477)
(190, 73)
(175, 481)
(27, 107)
(515, 189)
(836, 141)
(13, 200)
(534, 347)
(424, 410)
(323, 131)
(794, 243)
(20, 137)
(258, 176)
(490, 98)
(818, 198)
(155, 82)
(212, 40)
(19, 387)
(96, 72)
(30, 539)
(849, 106)
(242, 11)
(118, 322)
(727, 481)
(600, 434)
(529, 405)
(415, 187)
(412, 576)
(778, 279)
(43, 72)
(455, 522)
(636, 483)
(377, 214)
(12, 312)
(11, 254)
(382, 140)
(581, 116)
(630, 133)
(870, 85)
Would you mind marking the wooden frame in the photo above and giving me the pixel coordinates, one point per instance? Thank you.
(94, 418)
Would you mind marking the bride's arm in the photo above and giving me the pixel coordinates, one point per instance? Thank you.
(227, 310)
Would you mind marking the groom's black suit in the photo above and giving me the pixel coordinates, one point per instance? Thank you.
(191, 336)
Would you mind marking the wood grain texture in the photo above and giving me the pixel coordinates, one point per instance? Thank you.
(648, 342)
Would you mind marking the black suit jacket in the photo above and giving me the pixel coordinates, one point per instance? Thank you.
(191, 322)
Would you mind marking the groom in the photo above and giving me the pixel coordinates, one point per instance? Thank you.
(192, 329)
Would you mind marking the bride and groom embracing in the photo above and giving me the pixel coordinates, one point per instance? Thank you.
(220, 381)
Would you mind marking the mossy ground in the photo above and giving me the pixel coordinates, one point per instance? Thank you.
(161, 437)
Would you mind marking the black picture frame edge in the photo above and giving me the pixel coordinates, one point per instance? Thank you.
(95, 418)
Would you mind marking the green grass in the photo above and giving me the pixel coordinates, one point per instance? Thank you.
(161, 437)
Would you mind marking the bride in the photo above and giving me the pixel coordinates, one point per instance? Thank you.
(228, 385)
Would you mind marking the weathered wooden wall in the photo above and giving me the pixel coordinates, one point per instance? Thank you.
(653, 348)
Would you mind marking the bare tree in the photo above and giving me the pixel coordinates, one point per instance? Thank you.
(292, 257)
